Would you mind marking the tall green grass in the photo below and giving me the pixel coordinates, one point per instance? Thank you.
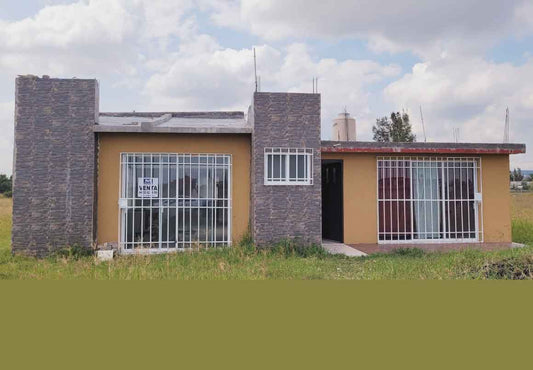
(522, 231)
(250, 263)
(5, 222)
(286, 260)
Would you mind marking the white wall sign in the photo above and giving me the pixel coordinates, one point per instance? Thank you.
(147, 187)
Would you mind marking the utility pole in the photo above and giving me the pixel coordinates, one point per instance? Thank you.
(423, 126)
(456, 134)
(255, 71)
(506, 129)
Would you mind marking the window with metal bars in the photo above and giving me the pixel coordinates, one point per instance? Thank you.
(171, 201)
(288, 166)
(429, 199)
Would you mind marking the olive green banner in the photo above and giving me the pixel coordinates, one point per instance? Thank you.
(274, 324)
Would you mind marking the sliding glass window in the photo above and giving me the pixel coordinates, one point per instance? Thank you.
(429, 199)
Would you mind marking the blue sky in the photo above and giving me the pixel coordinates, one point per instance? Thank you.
(463, 61)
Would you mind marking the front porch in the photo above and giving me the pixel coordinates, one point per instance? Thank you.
(361, 250)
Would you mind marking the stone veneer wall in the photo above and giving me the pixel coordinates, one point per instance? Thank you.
(286, 120)
(54, 164)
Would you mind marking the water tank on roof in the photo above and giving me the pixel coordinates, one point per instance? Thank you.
(343, 128)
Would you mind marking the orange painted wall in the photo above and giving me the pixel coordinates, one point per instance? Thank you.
(360, 197)
(112, 144)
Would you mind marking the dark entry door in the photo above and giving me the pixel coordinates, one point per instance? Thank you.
(332, 202)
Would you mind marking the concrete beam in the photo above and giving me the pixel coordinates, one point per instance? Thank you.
(173, 130)
(421, 148)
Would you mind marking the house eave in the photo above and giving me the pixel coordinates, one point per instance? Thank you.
(421, 148)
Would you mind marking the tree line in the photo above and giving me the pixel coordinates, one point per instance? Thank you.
(517, 175)
(6, 185)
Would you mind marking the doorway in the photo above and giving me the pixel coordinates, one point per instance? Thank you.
(332, 200)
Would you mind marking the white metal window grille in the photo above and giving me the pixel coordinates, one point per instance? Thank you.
(174, 201)
(429, 199)
(288, 166)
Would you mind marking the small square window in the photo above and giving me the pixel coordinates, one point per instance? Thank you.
(284, 166)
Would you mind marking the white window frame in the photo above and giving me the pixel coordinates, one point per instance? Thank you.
(182, 203)
(287, 153)
(448, 235)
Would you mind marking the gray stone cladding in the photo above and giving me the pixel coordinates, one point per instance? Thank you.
(286, 120)
(54, 164)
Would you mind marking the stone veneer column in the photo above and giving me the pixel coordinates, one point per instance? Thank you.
(286, 120)
(54, 164)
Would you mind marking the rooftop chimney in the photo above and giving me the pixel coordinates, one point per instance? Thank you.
(343, 128)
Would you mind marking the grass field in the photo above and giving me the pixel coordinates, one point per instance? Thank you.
(522, 214)
(284, 262)
(5, 223)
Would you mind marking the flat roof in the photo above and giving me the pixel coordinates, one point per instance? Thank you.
(174, 122)
(421, 148)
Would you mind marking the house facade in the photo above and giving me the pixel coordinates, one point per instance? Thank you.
(165, 181)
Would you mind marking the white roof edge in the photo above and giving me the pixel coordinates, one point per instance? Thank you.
(172, 130)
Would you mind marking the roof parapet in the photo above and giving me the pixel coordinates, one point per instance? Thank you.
(206, 114)
(173, 122)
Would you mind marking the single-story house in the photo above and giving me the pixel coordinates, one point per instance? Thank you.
(166, 181)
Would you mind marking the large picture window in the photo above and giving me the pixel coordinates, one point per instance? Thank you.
(173, 201)
(288, 166)
(429, 199)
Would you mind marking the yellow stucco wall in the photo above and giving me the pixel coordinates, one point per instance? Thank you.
(496, 198)
(360, 197)
(112, 144)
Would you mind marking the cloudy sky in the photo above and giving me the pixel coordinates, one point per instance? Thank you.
(463, 61)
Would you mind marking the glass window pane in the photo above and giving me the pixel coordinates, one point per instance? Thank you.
(277, 167)
(292, 167)
(442, 205)
(283, 162)
(302, 166)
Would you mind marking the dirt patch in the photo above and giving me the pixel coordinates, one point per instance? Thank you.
(513, 268)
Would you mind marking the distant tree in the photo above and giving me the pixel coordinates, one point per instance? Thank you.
(5, 184)
(382, 129)
(397, 129)
(517, 175)
(401, 130)
(525, 185)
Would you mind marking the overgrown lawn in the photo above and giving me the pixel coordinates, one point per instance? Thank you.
(284, 262)
(522, 217)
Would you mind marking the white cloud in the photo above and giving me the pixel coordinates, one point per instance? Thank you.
(425, 27)
(470, 94)
(95, 37)
(225, 13)
(7, 112)
(202, 75)
(221, 78)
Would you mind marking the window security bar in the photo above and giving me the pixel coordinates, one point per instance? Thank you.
(288, 166)
(174, 201)
(429, 199)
